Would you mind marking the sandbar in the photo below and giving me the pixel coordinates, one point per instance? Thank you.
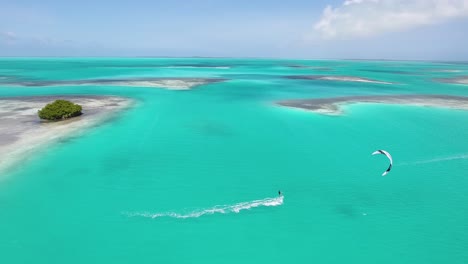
(332, 106)
(455, 80)
(336, 78)
(165, 83)
(296, 66)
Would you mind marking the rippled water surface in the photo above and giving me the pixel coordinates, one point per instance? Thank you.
(192, 175)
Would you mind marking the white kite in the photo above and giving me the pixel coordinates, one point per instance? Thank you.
(388, 156)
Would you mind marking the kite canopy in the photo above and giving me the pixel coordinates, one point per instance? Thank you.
(388, 156)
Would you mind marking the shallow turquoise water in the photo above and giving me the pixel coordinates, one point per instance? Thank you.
(181, 152)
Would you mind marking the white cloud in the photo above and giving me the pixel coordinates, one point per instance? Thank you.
(8, 37)
(370, 17)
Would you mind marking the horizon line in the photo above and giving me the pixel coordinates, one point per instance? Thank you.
(240, 57)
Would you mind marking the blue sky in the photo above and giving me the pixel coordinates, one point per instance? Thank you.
(366, 29)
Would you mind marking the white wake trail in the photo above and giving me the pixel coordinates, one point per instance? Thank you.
(441, 159)
(218, 209)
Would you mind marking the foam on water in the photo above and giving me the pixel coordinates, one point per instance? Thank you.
(218, 209)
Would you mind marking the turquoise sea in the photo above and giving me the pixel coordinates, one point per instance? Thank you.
(192, 176)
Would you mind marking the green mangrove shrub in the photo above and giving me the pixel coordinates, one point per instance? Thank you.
(60, 109)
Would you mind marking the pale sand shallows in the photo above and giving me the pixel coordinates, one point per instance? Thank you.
(22, 133)
(165, 83)
(455, 80)
(336, 78)
(332, 106)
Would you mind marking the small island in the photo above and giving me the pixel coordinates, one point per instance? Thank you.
(60, 110)
(21, 133)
